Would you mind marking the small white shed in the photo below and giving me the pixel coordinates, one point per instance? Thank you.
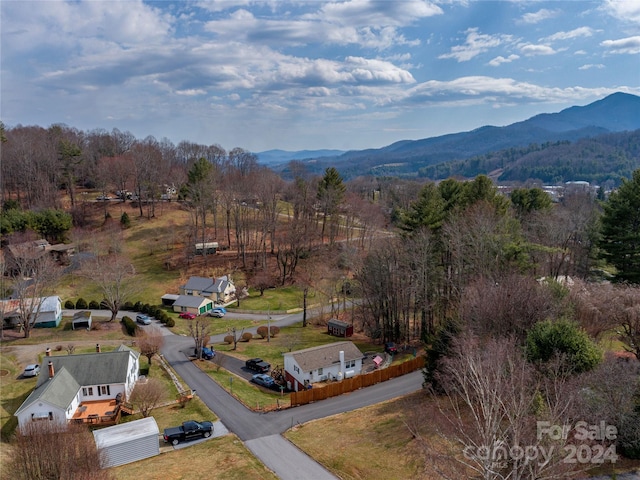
(128, 442)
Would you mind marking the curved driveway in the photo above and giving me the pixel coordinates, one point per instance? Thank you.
(261, 432)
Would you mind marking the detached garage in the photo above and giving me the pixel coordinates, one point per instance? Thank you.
(128, 442)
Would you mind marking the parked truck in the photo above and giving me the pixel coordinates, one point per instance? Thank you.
(257, 365)
(187, 431)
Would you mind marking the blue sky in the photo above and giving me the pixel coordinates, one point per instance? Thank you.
(299, 75)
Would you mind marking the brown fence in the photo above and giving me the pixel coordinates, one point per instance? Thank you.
(350, 384)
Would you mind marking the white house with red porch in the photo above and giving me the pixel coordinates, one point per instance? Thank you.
(333, 361)
(85, 388)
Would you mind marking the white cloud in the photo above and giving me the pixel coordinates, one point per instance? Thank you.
(475, 44)
(365, 13)
(575, 33)
(531, 50)
(580, 52)
(624, 10)
(499, 60)
(589, 66)
(482, 89)
(192, 92)
(539, 16)
(629, 45)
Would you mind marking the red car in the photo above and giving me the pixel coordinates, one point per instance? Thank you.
(187, 315)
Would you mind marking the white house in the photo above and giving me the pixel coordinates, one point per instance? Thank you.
(219, 290)
(50, 313)
(334, 361)
(70, 383)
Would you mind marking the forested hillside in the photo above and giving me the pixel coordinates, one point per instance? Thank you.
(603, 160)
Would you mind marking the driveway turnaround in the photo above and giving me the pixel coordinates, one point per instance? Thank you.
(261, 432)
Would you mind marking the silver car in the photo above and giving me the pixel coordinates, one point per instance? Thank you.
(32, 370)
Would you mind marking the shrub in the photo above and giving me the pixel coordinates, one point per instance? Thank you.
(228, 339)
(69, 305)
(548, 339)
(104, 305)
(81, 304)
(127, 306)
(274, 330)
(170, 322)
(125, 221)
(58, 348)
(137, 306)
(129, 325)
(262, 331)
(93, 305)
(246, 336)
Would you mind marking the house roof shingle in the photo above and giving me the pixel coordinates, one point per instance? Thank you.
(58, 391)
(325, 355)
(198, 283)
(191, 301)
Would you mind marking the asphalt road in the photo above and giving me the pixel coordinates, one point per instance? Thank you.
(261, 432)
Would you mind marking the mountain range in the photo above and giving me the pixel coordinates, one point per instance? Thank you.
(618, 112)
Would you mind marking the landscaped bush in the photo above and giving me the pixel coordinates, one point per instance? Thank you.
(129, 325)
(146, 308)
(170, 322)
(262, 331)
(93, 305)
(81, 304)
(246, 336)
(137, 306)
(104, 305)
(127, 306)
(69, 305)
(228, 339)
(274, 330)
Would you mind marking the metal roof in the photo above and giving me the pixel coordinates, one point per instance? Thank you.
(192, 301)
(125, 432)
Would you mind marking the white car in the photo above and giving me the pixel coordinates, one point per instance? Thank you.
(32, 370)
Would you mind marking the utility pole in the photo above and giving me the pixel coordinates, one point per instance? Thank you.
(268, 325)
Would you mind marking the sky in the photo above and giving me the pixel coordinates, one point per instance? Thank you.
(310, 74)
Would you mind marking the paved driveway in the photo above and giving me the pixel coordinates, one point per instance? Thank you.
(261, 432)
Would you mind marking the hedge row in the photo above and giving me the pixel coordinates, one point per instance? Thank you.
(156, 311)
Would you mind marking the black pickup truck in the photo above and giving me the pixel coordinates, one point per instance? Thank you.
(257, 365)
(187, 431)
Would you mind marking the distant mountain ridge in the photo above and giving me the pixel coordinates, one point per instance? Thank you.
(617, 112)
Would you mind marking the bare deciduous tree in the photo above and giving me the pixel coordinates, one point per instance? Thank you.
(35, 274)
(113, 275)
(148, 395)
(199, 330)
(53, 450)
(150, 343)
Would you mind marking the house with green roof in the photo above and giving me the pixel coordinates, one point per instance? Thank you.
(67, 381)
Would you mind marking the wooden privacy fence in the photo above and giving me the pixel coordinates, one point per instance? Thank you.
(350, 384)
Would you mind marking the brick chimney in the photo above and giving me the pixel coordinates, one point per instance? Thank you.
(51, 371)
(48, 352)
(97, 348)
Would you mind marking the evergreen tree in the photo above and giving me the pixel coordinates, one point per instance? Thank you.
(620, 241)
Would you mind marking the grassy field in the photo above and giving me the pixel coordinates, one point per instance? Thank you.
(224, 457)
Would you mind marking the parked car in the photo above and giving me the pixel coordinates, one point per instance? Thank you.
(264, 380)
(257, 365)
(187, 315)
(103, 198)
(207, 353)
(32, 370)
(217, 312)
(390, 348)
(143, 319)
(186, 431)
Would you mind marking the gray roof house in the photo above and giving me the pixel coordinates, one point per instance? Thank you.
(127, 442)
(67, 381)
(333, 361)
(192, 304)
(220, 289)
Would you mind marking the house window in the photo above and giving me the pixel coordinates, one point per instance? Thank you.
(183, 309)
(104, 390)
(296, 369)
(350, 364)
(87, 391)
(320, 370)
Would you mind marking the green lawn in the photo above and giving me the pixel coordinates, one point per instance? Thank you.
(275, 300)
